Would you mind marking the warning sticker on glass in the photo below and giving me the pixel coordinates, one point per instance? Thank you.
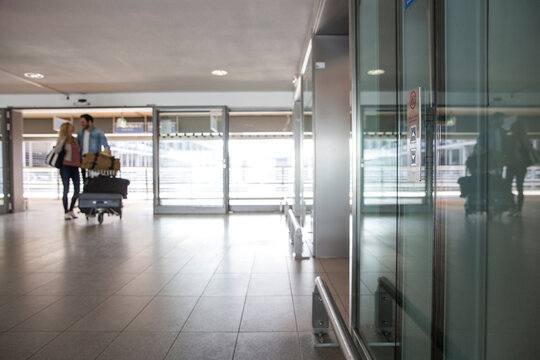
(414, 135)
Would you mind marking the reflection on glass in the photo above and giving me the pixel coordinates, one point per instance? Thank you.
(377, 175)
(2, 193)
(307, 143)
(191, 159)
(467, 235)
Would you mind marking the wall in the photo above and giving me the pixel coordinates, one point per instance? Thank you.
(332, 131)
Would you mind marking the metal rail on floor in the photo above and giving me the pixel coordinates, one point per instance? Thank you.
(295, 235)
(324, 309)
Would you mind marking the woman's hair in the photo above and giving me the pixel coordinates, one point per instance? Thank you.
(64, 132)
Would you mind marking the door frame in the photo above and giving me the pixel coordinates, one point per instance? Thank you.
(173, 209)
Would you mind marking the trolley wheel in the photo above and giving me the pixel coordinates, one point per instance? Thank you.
(100, 218)
(87, 217)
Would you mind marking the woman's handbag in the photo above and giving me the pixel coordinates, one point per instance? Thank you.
(56, 160)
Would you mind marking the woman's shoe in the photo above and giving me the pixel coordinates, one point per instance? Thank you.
(72, 214)
(67, 217)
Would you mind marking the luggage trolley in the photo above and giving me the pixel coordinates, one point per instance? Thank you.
(102, 194)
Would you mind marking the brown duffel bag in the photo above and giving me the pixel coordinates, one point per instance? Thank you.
(100, 161)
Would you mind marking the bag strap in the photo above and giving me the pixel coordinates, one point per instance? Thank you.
(95, 161)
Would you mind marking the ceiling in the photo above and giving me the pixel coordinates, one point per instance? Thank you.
(145, 46)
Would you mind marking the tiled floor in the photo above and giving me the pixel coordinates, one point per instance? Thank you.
(167, 287)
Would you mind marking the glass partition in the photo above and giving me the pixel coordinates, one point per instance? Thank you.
(189, 151)
(446, 244)
(376, 138)
(3, 164)
(308, 156)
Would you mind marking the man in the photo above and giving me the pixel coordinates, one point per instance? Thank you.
(91, 139)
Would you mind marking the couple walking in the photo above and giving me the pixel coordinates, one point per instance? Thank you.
(89, 139)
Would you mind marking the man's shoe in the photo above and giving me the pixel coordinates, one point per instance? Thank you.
(67, 217)
(72, 214)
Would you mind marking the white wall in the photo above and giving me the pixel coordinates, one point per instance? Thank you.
(282, 99)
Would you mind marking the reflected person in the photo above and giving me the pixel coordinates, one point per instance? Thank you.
(520, 155)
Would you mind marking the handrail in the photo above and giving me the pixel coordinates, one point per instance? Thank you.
(343, 336)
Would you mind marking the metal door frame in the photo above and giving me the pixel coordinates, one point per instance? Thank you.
(174, 209)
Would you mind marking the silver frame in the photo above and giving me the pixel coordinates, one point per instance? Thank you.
(172, 209)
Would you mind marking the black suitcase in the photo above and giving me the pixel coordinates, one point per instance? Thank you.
(91, 203)
(107, 184)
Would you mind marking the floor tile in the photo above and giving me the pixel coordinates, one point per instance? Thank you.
(309, 351)
(62, 314)
(335, 265)
(227, 285)
(167, 266)
(139, 346)
(199, 265)
(20, 345)
(267, 346)
(235, 266)
(26, 284)
(303, 311)
(23, 307)
(214, 314)
(305, 265)
(146, 283)
(203, 346)
(84, 284)
(263, 265)
(269, 285)
(164, 313)
(303, 283)
(186, 285)
(113, 315)
(76, 345)
(268, 313)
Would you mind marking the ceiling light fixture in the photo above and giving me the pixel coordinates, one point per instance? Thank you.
(31, 75)
(376, 72)
(219, 72)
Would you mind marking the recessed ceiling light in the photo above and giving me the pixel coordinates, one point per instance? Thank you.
(34, 75)
(219, 72)
(376, 72)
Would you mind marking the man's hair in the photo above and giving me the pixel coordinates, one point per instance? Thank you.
(87, 117)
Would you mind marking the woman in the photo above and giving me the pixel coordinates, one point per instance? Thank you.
(70, 167)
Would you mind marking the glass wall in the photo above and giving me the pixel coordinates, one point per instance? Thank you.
(376, 172)
(261, 160)
(447, 166)
(2, 163)
(308, 147)
(191, 166)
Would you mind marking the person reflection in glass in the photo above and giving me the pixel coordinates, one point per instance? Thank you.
(486, 190)
(520, 155)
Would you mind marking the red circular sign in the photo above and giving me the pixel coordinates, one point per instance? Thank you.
(412, 100)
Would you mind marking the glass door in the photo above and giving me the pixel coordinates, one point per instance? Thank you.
(4, 164)
(190, 160)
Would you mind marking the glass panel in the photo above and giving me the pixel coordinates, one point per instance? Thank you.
(491, 222)
(261, 170)
(191, 158)
(462, 125)
(376, 166)
(307, 144)
(513, 266)
(2, 191)
(416, 197)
